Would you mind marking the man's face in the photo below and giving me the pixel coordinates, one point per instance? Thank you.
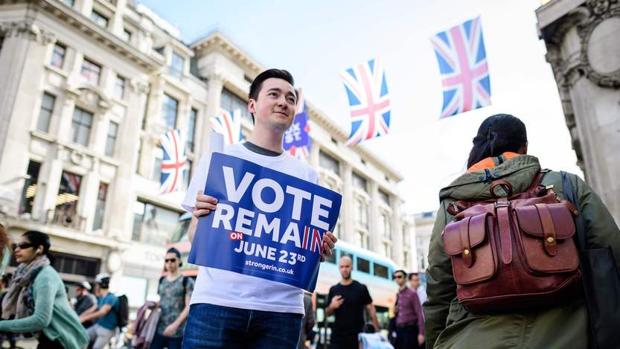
(414, 281)
(275, 105)
(400, 279)
(345, 267)
(80, 291)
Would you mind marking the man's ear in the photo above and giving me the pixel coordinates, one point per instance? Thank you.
(252, 106)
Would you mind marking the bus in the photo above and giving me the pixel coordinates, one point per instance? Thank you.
(369, 268)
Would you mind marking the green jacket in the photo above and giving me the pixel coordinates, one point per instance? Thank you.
(52, 313)
(449, 325)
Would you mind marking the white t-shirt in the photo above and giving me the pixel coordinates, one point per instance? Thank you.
(230, 289)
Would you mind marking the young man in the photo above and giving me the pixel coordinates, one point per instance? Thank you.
(347, 300)
(231, 310)
(414, 283)
(107, 320)
(86, 302)
(175, 291)
(409, 318)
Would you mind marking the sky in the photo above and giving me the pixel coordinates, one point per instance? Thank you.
(316, 40)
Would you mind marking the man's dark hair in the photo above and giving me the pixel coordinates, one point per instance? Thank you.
(411, 275)
(257, 84)
(400, 271)
(497, 134)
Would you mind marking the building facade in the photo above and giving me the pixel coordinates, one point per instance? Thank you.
(583, 49)
(89, 87)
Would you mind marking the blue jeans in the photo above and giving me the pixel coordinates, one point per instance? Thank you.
(212, 326)
(161, 342)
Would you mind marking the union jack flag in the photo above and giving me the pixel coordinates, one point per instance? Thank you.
(368, 100)
(296, 139)
(463, 67)
(173, 163)
(228, 125)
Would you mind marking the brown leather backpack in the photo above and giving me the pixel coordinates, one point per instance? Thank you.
(513, 252)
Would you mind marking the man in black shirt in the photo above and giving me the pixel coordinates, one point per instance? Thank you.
(86, 301)
(347, 301)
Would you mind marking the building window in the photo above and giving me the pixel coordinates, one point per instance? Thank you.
(361, 239)
(99, 19)
(102, 195)
(81, 125)
(58, 55)
(91, 71)
(75, 265)
(110, 142)
(406, 259)
(231, 102)
(359, 182)
(191, 129)
(30, 187)
(119, 87)
(69, 3)
(329, 163)
(153, 224)
(126, 35)
(45, 114)
(187, 174)
(177, 64)
(159, 156)
(169, 111)
(387, 249)
(361, 213)
(384, 197)
(67, 199)
(1, 42)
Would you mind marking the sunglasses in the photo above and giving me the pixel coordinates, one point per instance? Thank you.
(397, 277)
(170, 260)
(22, 245)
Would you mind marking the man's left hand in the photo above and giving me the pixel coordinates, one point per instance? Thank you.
(420, 339)
(170, 330)
(329, 240)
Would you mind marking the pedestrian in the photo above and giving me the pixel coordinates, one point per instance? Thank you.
(175, 291)
(415, 284)
(232, 310)
(36, 300)
(500, 171)
(347, 301)
(409, 319)
(5, 281)
(307, 322)
(86, 302)
(105, 316)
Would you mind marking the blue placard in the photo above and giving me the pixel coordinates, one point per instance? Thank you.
(267, 223)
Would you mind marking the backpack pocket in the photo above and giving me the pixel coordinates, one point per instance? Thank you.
(546, 237)
(468, 242)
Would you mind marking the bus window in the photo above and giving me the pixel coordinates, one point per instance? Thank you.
(363, 265)
(380, 271)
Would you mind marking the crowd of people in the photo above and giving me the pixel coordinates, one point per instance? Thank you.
(229, 310)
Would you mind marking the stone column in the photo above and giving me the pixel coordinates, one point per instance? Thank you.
(396, 235)
(21, 70)
(373, 217)
(348, 203)
(121, 191)
(215, 85)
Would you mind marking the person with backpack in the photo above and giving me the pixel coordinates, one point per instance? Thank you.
(106, 315)
(175, 291)
(36, 301)
(510, 250)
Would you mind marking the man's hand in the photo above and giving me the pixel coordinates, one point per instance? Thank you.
(204, 205)
(420, 339)
(336, 302)
(170, 330)
(329, 240)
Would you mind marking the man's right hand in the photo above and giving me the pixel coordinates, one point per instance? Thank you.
(336, 302)
(204, 205)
